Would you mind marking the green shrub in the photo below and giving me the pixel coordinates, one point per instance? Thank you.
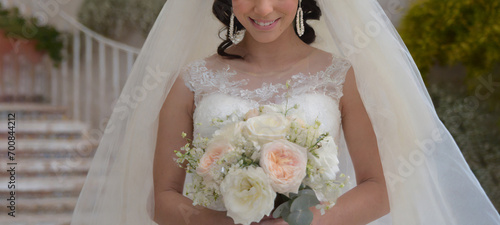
(450, 32)
(17, 26)
(112, 17)
(456, 32)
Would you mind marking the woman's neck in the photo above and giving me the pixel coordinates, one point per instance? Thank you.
(285, 50)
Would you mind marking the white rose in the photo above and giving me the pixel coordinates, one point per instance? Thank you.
(247, 195)
(285, 164)
(267, 127)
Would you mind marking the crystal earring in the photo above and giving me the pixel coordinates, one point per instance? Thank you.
(235, 35)
(300, 20)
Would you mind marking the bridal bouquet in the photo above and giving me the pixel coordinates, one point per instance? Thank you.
(251, 162)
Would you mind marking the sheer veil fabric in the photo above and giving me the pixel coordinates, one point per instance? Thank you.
(428, 180)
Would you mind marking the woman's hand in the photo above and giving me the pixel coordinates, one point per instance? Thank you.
(269, 220)
(318, 219)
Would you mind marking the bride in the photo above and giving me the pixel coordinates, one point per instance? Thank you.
(349, 69)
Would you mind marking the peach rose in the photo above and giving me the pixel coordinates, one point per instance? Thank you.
(285, 164)
(215, 151)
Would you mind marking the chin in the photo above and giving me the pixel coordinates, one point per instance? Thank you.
(265, 39)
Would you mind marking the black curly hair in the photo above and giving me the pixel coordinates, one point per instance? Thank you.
(222, 10)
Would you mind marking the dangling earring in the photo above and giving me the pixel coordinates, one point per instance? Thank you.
(301, 29)
(235, 35)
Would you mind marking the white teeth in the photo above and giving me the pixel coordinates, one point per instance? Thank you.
(264, 24)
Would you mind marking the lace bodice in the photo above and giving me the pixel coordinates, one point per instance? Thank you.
(222, 91)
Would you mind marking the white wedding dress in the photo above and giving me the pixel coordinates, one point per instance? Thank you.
(429, 181)
(222, 91)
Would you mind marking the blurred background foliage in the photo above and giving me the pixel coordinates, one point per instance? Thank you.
(463, 34)
(17, 26)
(470, 123)
(450, 32)
(114, 18)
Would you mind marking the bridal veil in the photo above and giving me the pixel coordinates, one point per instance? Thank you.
(427, 178)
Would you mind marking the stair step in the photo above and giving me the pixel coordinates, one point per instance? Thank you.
(83, 148)
(53, 156)
(47, 127)
(48, 166)
(36, 219)
(44, 186)
(44, 205)
(31, 107)
(32, 111)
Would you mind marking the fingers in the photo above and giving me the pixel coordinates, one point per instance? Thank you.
(274, 222)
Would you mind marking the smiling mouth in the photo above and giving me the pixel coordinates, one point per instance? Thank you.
(264, 24)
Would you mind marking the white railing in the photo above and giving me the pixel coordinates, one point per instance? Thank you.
(88, 80)
(100, 67)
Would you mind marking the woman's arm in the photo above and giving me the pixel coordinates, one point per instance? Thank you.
(171, 207)
(368, 200)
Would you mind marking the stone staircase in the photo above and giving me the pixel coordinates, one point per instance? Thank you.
(53, 156)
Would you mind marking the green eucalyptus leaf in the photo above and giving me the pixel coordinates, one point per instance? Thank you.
(303, 217)
(285, 213)
(307, 192)
(282, 209)
(303, 202)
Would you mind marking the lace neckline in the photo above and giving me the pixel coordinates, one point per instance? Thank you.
(203, 81)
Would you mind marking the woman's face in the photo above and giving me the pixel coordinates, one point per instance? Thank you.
(266, 20)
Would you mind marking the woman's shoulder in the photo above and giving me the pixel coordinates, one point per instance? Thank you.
(200, 71)
(331, 75)
(201, 65)
(329, 61)
(208, 62)
(330, 65)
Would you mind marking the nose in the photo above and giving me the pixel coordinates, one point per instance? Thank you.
(263, 7)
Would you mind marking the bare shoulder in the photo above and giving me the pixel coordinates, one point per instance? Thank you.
(319, 58)
(350, 91)
(324, 59)
(180, 96)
